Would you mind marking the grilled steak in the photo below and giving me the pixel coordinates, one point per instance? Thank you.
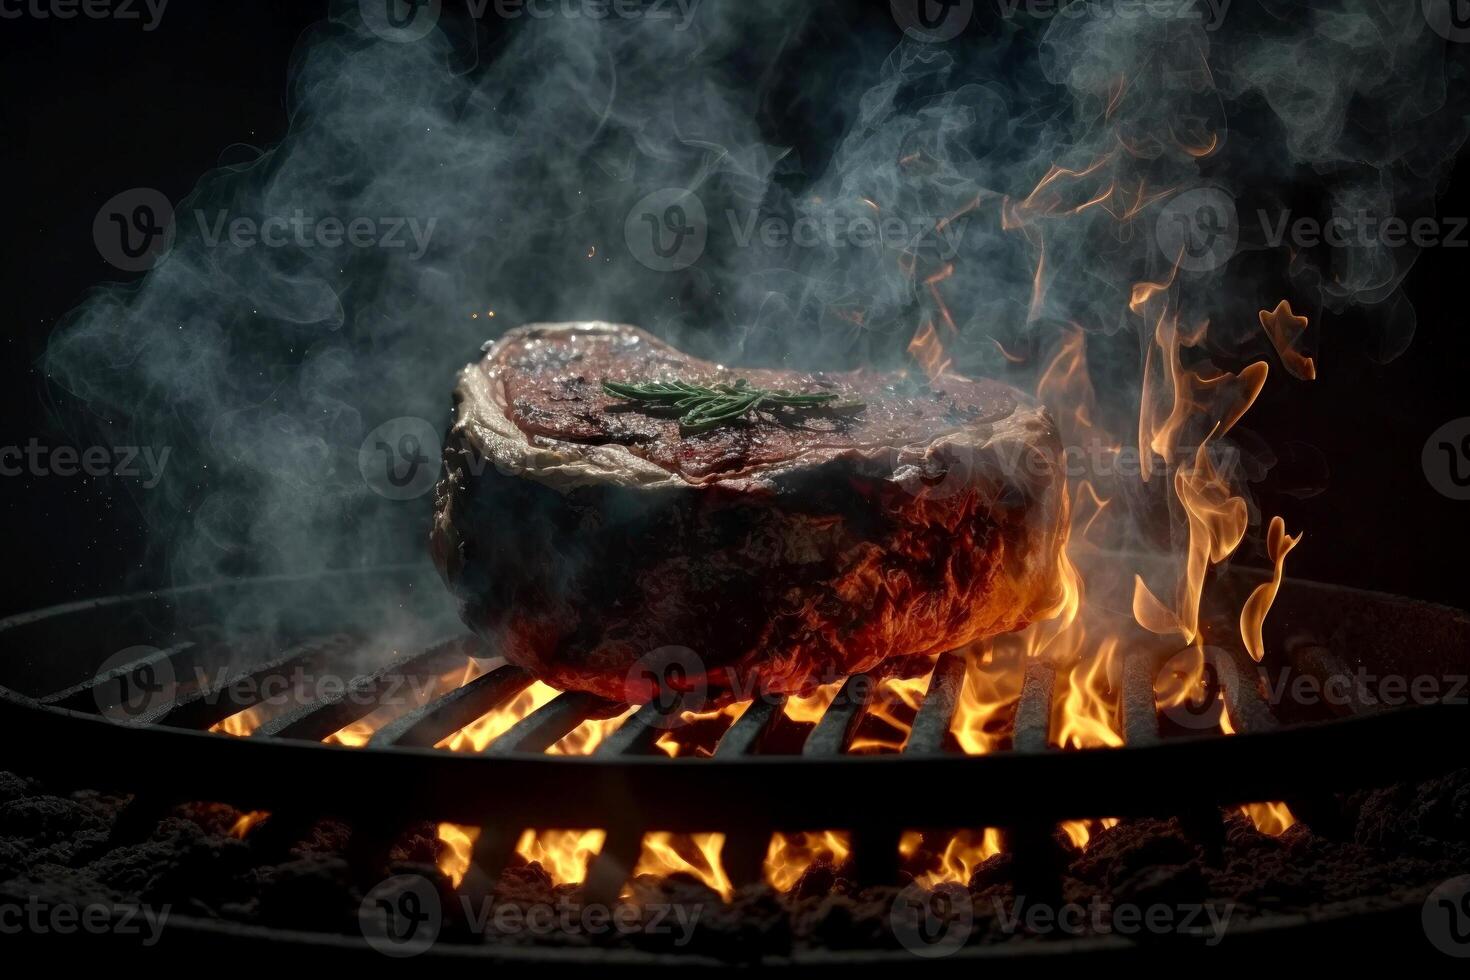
(582, 533)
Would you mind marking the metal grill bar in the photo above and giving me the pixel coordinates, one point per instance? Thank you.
(1033, 710)
(1139, 714)
(552, 722)
(364, 694)
(1313, 658)
(751, 728)
(936, 714)
(106, 689)
(1248, 711)
(433, 722)
(833, 734)
(207, 705)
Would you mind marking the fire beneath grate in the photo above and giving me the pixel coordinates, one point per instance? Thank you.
(858, 773)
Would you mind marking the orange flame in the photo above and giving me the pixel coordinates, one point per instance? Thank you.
(1253, 614)
(1286, 331)
(697, 855)
(790, 855)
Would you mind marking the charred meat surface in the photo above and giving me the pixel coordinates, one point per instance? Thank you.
(586, 536)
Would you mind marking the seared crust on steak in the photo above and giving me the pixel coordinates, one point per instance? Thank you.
(581, 535)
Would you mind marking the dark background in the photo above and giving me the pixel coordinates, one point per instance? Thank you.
(93, 107)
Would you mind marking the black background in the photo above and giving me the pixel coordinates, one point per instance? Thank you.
(93, 107)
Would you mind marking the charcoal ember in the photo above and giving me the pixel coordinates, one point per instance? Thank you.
(312, 894)
(784, 553)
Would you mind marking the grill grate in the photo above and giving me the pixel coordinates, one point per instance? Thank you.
(744, 790)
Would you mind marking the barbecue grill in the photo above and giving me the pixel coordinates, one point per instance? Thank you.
(58, 714)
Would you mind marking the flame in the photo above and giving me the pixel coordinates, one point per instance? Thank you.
(454, 856)
(808, 710)
(1086, 716)
(1081, 832)
(246, 822)
(790, 855)
(697, 855)
(583, 739)
(983, 710)
(964, 851)
(889, 718)
(478, 734)
(1253, 613)
(1286, 330)
(928, 351)
(1271, 819)
(241, 723)
(700, 731)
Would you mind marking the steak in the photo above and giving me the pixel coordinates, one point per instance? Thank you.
(584, 534)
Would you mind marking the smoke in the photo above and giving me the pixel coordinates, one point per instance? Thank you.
(853, 183)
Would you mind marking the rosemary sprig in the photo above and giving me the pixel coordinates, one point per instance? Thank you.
(705, 407)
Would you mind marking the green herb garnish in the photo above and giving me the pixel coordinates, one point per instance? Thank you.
(704, 407)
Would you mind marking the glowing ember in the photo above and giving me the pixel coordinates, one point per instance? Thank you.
(964, 851)
(245, 822)
(790, 855)
(697, 855)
